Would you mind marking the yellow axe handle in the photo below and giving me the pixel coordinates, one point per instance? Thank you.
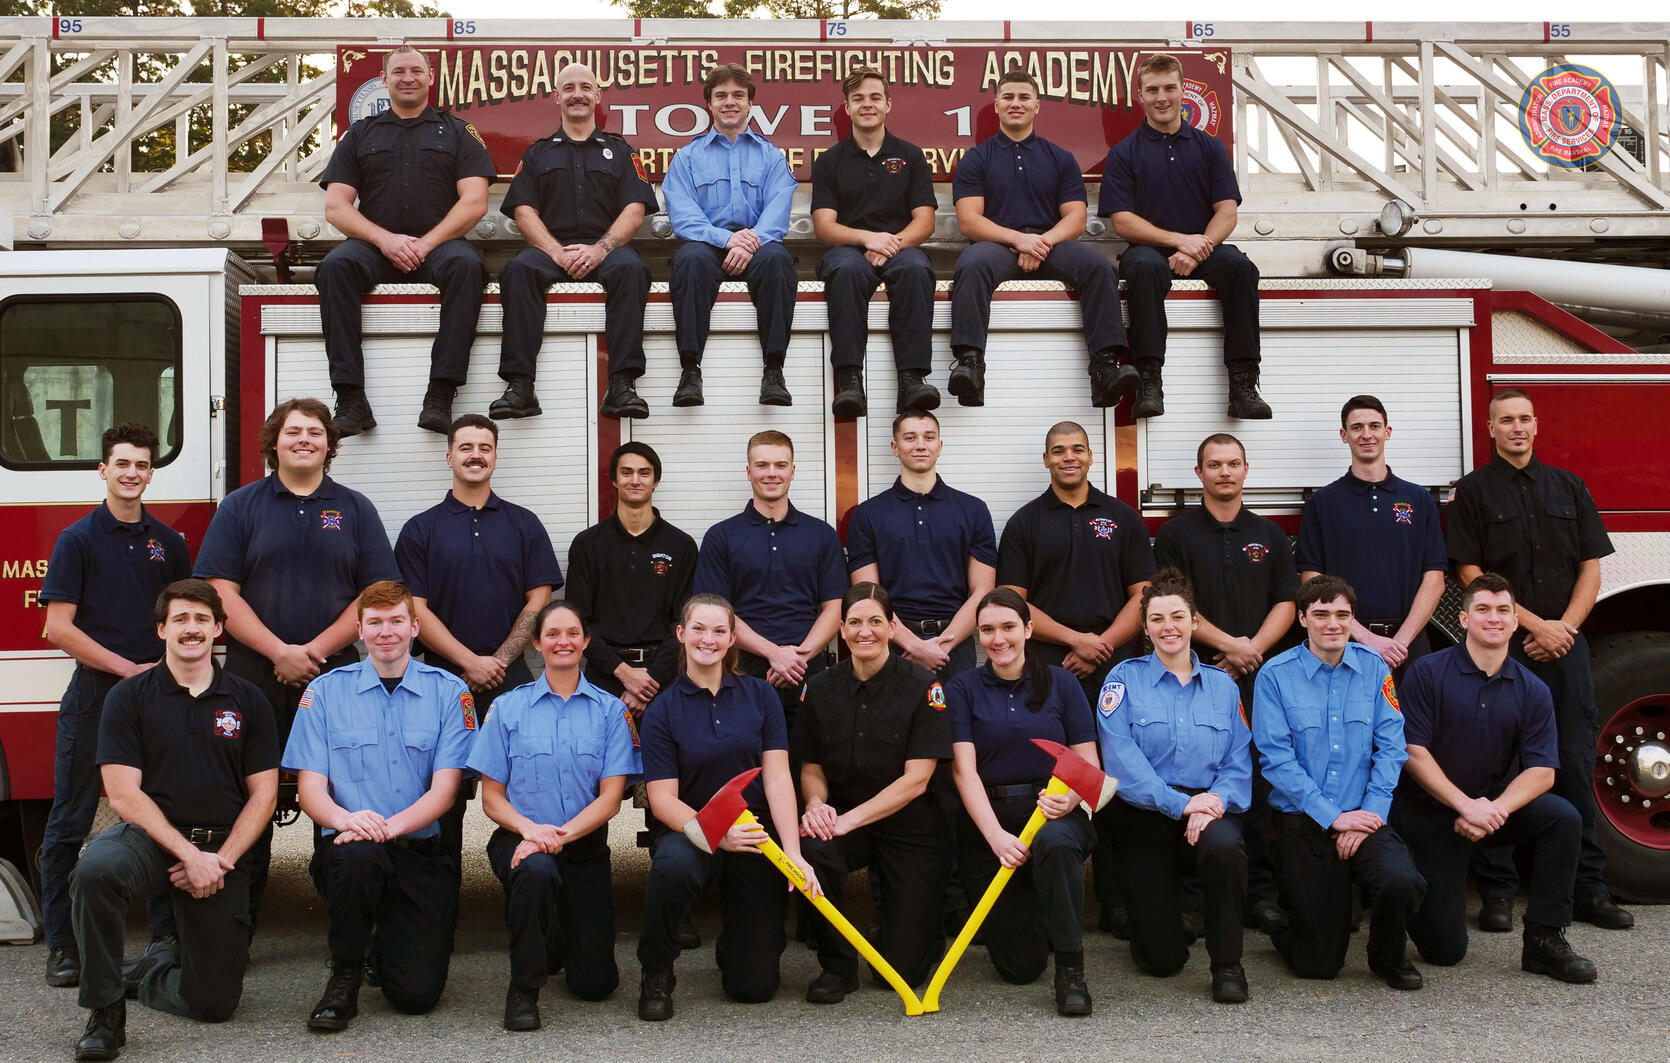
(774, 852)
(930, 999)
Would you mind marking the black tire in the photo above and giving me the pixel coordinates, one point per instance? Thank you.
(1627, 668)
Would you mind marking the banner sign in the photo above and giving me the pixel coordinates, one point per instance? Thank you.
(652, 94)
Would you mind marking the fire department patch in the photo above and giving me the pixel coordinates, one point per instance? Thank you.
(1403, 513)
(1256, 552)
(330, 519)
(469, 127)
(893, 166)
(155, 550)
(631, 726)
(466, 701)
(1241, 707)
(228, 723)
(1389, 689)
(1569, 116)
(660, 563)
(306, 699)
(803, 692)
(936, 697)
(1112, 695)
(1103, 527)
(638, 165)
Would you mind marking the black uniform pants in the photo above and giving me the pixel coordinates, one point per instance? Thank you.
(560, 911)
(1154, 854)
(1549, 824)
(76, 785)
(850, 281)
(206, 978)
(1042, 908)
(753, 902)
(1576, 719)
(1147, 273)
(354, 267)
(1316, 893)
(911, 867)
(247, 664)
(404, 890)
(522, 284)
(985, 265)
(696, 276)
(1257, 822)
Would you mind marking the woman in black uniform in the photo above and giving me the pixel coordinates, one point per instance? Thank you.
(869, 734)
(701, 731)
(996, 710)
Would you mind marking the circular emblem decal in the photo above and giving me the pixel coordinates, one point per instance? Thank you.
(1569, 115)
(1200, 106)
(369, 99)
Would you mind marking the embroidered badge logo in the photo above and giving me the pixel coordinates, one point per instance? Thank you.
(228, 723)
(1103, 527)
(1389, 689)
(466, 701)
(936, 697)
(1241, 707)
(469, 127)
(638, 165)
(893, 166)
(1403, 513)
(154, 548)
(1256, 552)
(631, 726)
(660, 563)
(608, 153)
(1112, 695)
(330, 519)
(803, 692)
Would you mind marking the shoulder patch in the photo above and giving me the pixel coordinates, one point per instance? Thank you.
(469, 127)
(1389, 689)
(631, 725)
(466, 702)
(1241, 707)
(638, 165)
(306, 699)
(803, 691)
(1113, 695)
(936, 697)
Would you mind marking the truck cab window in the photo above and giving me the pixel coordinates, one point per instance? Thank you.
(70, 367)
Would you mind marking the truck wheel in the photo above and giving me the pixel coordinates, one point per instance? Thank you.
(1632, 763)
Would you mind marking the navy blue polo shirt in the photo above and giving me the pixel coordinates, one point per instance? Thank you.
(922, 544)
(1482, 730)
(1379, 537)
(298, 561)
(113, 572)
(1075, 563)
(705, 740)
(1024, 182)
(475, 567)
(776, 573)
(1169, 180)
(992, 712)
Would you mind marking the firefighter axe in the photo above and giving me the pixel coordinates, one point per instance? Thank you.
(1071, 774)
(727, 808)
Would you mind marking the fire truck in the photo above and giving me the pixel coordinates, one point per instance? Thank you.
(1421, 238)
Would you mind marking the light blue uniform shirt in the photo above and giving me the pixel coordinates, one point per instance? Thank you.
(1160, 737)
(1330, 737)
(716, 186)
(378, 748)
(552, 753)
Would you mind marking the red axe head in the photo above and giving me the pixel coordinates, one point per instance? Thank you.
(1093, 785)
(721, 811)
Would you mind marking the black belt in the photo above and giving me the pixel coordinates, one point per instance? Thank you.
(926, 627)
(205, 839)
(1014, 791)
(1384, 628)
(636, 654)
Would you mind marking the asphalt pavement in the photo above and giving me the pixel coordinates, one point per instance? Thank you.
(1483, 1009)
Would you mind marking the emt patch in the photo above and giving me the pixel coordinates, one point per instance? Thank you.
(936, 697)
(1112, 695)
(466, 701)
(1389, 689)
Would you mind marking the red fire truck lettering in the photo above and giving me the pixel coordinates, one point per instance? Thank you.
(23, 569)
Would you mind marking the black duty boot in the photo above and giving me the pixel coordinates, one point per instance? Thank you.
(689, 391)
(774, 390)
(968, 377)
(1109, 381)
(1269, 918)
(157, 955)
(106, 1033)
(831, 988)
(436, 415)
(915, 393)
(341, 1001)
(1229, 983)
(850, 400)
(686, 936)
(63, 967)
(518, 400)
(1547, 952)
(1496, 916)
(1602, 912)
(353, 414)
(521, 1009)
(1072, 995)
(1151, 393)
(655, 996)
(622, 398)
(1244, 401)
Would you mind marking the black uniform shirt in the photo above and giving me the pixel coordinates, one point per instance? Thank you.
(861, 732)
(579, 187)
(113, 572)
(1240, 570)
(877, 192)
(194, 753)
(1075, 563)
(630, 590)
(407, 170)
(1535, 525)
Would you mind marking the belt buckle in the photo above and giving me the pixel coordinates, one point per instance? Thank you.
(930, 627)
(200, 837)
(632, 654)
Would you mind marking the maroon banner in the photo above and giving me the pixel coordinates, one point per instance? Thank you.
(652, 95)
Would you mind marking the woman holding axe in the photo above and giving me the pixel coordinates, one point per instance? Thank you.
(705, 728)
(1175, 733)
(869, 734)
(995, 711)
